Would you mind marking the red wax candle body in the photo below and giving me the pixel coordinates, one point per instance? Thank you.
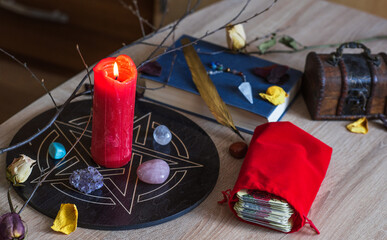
(113, 112)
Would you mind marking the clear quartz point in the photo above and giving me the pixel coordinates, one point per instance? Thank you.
(245, 89)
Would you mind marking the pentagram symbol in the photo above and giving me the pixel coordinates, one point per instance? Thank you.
(124, 201)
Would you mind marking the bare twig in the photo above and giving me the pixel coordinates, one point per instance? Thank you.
(154, 44)
(56, 165)
(72, 147)
(164, 15)
(265, 36)
(41, 82)
(253, 16)
(334, 45)
(58, 110)
(188, 11)
(168, 78)
(141, 19)
(52, 120)
(240, 12)
(149, 36)
(86, 67)
(208, 33)
(10, 199)
(172, 29)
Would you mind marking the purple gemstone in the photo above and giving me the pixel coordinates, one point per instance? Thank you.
(155, 171)
(151, 68)
(86, 180)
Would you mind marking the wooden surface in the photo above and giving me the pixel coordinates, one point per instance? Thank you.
(352, 200)
(377, 7)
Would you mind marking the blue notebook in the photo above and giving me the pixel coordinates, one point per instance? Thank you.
(182, 94)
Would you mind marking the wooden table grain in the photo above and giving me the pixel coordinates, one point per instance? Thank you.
(352, 200)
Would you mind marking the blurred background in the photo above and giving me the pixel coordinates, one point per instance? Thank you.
(44, 33)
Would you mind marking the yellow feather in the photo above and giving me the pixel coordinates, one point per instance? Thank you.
(207, 88)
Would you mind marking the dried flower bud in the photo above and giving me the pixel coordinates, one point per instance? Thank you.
(11, 226)
(20, 169)
(236, 37)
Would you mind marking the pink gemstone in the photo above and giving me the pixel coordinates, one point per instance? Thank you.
(155, 171)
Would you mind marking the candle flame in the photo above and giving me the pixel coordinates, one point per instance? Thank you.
(115, 70)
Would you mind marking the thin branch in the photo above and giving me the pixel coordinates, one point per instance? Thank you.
(41, 82)
(141, 19)
(172, 31)
(164, 14)
(149, 36)
(86, 67)
(246, 45)
(10, 199)
(187, 12)
(240, 13)
(256, 14)
(52, 120)
(154, 44)
(56, 165)
(334, 45)
(265, 36)
(72, 147)
(212, 53)
(58, 110)
(168, 78)
(213, 31)
(137, 10)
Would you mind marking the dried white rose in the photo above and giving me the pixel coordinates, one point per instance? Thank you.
(20, 169)
(236, 37)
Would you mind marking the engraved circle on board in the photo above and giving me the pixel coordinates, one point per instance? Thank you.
(124, 202)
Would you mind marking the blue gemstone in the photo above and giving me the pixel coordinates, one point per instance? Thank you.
(214, 65)
(56, 150)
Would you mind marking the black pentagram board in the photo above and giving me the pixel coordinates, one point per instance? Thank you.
(124, 202)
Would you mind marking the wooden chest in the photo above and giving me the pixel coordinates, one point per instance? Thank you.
(345, 86)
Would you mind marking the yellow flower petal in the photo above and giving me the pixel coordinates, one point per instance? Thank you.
(67, 218)
(360, 126)
(236, 37)
(274, 94)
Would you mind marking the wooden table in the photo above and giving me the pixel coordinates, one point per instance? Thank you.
(352, 200)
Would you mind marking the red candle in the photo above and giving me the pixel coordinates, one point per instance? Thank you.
(113, 111)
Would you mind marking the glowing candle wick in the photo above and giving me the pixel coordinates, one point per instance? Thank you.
(115, 70)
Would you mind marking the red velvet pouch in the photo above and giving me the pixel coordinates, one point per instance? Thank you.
(286, 161)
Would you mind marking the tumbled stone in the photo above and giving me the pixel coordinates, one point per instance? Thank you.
(162, 135)
(238, 149)
(56, 150)
(154, 171)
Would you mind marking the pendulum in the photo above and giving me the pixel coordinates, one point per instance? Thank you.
(244, 87)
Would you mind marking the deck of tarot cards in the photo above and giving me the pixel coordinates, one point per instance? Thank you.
(264, 209)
